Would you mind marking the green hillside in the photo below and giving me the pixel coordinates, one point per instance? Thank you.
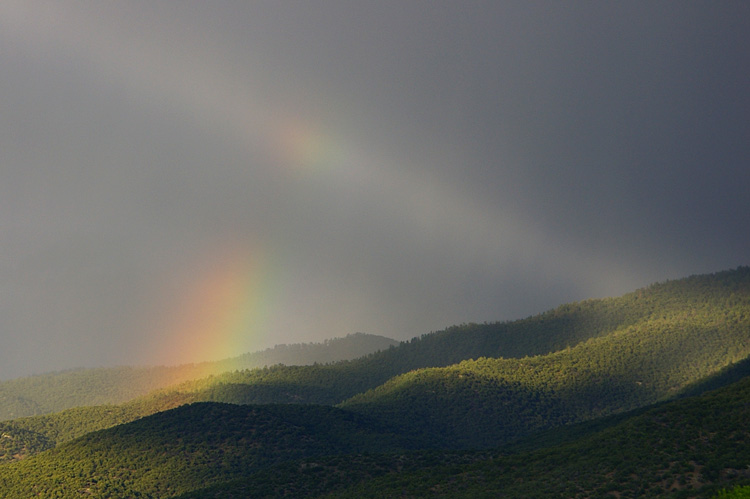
(671, 334)
(53, 392)
(35, 434)
(699, 308)
(351, 346)
(487, 402)
(735, 493)
(192, 446)
(322, 383)
(693, 447)
(686, 448)
(467, 387)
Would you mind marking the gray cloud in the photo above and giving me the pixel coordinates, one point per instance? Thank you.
(394, 168)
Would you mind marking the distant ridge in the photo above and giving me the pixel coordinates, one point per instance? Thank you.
(349, 347)
(575, 362)
(57, 391)
(609, 395)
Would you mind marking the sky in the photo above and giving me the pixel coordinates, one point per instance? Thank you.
(184, 181)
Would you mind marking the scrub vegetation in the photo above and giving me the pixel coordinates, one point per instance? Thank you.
(645, 395)
(54, 392)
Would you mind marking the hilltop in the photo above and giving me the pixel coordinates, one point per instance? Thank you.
(692, 447)
(53, 392)
(561, 403)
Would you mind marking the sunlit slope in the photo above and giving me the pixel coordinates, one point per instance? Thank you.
(564, 326)
(570, 324)
(58, 391)
(646, 346)
(193, 446)
(55, 392)
(738, 492)
(699, 304)
(686, 448)
(24, 437)
(486, 402)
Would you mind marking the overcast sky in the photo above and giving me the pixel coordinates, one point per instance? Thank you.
(182, 181)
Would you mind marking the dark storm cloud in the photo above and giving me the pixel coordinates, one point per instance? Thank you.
(401, 166)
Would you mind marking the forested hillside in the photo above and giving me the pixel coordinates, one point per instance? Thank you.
(55, 392)
(487, 402)
(707, 297)
(712, 310)
(192, 446)
(688, 448)
(351, 346)
(28, 436)
(467, 387)
(682, 330)
(692, 447)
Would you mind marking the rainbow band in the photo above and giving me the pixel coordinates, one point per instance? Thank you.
(222, 314)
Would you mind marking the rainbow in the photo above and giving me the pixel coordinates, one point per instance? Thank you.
(300, 147)
(227, 306)
(222, 313)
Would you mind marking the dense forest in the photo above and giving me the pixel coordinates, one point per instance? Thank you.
(644, 395)
(193, 445)
(693, 447)
(53, 392)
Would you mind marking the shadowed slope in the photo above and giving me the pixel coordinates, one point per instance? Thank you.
(186, 448)
(54, 392)
(699, 305)
(687, 448)
(488, 402)
(669, 335)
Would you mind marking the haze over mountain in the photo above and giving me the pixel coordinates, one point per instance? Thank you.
(645, 395)
(54, 392)
(184, 181)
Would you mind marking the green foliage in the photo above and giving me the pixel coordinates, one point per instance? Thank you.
(692, 447)
(50, 430)
(323, 475)
(726, 376)
(710, 311)
(717, 298)
(641, 348)
(54, 392)
(351, 346)
(470, 386)
(699, 328)
(18, 443)
(689, 445)
(735, 493)
(191, 446)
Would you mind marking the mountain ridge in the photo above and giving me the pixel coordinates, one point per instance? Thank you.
(57, 391)
(665, 344)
